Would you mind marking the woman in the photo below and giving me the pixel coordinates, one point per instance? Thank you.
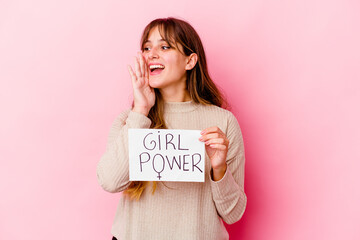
(172, 89)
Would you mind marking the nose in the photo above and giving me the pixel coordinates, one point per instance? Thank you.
(152, 53)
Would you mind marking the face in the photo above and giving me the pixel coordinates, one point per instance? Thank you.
(167, 64)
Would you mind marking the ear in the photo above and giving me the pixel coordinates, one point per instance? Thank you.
(191, 61)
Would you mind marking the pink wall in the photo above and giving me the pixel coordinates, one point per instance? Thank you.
(290, 69)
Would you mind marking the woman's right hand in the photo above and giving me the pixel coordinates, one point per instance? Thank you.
(144, 95)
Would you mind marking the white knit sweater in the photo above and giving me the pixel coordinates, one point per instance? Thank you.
(177, 210)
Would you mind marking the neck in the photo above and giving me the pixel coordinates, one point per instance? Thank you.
(174, 95)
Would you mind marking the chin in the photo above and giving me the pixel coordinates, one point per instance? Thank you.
(155, 84)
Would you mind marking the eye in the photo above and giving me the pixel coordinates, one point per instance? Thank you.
(146, 49)
(165, 47)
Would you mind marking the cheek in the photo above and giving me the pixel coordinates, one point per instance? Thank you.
(145, 56)
(175, 63)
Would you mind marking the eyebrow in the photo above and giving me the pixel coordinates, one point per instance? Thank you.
(161, 40)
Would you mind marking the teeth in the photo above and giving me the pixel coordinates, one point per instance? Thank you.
(156, 66)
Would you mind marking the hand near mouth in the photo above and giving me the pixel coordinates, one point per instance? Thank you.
(144, 95)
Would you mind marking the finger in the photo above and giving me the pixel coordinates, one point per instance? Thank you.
(142, 65)
(208, 136)
(211, 130)
(147, 70)
(218, 146)
(132, 74)
(137, 69)
(217, 141)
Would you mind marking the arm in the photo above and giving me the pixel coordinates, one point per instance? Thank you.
(113, 167)
(228, 192)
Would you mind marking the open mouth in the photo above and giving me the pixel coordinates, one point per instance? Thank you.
(156, 68)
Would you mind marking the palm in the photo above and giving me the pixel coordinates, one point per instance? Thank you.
(216, 146)
(144, 95)
(216, 156)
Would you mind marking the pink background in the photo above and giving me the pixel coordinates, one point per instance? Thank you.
(290, 69)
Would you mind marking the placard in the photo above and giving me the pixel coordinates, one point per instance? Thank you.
(166, 155)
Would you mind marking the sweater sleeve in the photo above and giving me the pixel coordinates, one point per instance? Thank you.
(228, 193)
(113, 168)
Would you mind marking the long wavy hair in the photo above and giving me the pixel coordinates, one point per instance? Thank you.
(198, 82)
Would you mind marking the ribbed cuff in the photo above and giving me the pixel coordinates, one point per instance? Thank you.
(138, 120)
(229, 199)
(225, 188)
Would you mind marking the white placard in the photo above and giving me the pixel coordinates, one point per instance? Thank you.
(166, 155)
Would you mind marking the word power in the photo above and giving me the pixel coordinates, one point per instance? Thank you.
(166, 155)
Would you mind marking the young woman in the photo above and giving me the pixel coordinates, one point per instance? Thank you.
(172, 89)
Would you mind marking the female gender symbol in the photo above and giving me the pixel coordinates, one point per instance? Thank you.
(163, 164)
